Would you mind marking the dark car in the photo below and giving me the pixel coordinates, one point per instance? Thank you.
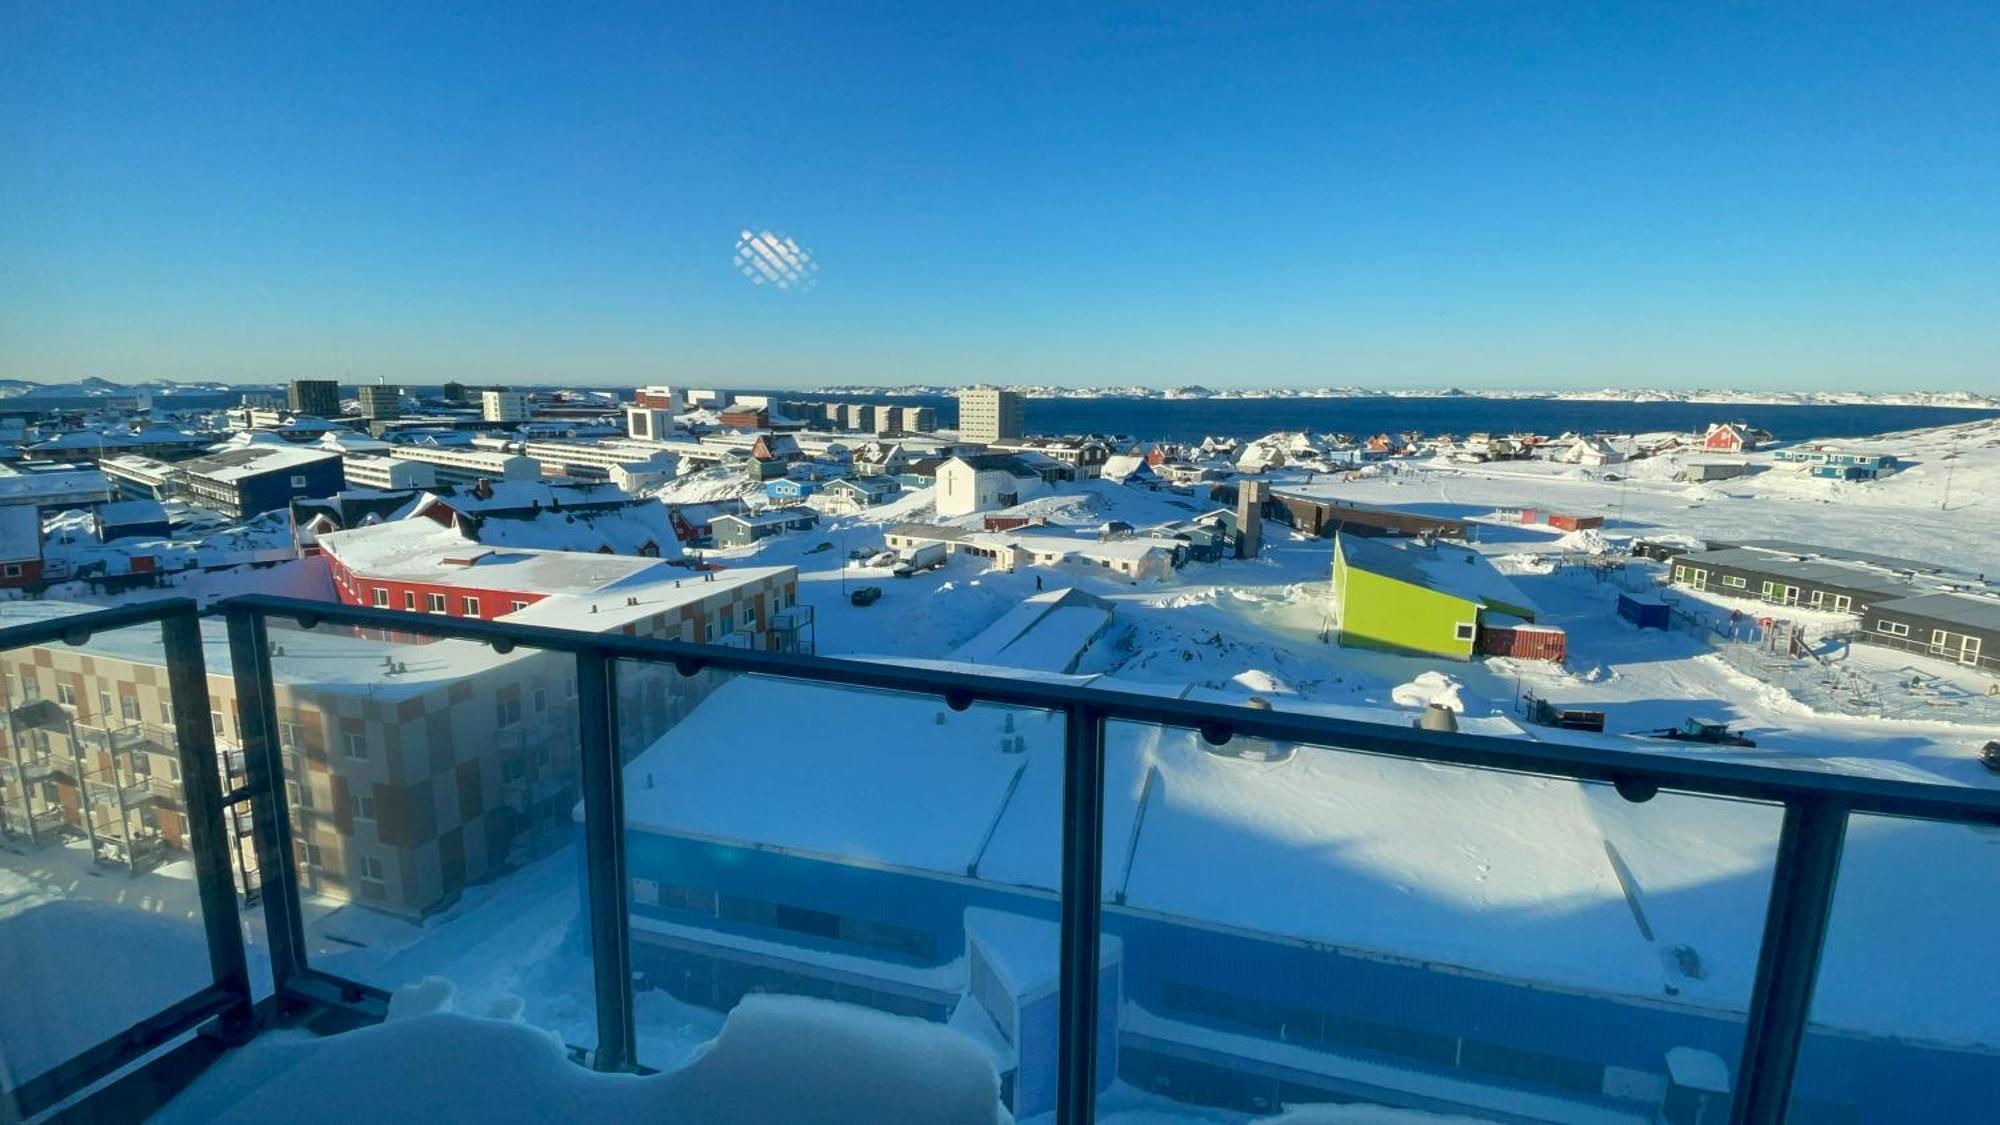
(1989, 756)
(866, 595)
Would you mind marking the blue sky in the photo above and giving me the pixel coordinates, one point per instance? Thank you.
(1377, 194)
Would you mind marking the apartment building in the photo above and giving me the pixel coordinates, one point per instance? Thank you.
(253, 479)
(318, 397)
(459, 465)
(500, 405)
(388, 473)
(988, 415)
(413, 769)
(380, 403)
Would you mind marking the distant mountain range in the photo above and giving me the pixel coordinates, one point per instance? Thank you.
(1963, 399)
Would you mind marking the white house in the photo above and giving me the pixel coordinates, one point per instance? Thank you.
(983, 482)
(1591, 451)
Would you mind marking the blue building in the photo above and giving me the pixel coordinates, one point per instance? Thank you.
(790, 490)
(1284, 925)
(253, 479)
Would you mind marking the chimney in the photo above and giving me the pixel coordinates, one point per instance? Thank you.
(1249, 519)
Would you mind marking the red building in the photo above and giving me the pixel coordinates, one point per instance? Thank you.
(1729, 437)
(417, 566)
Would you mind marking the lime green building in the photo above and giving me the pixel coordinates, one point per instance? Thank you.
(1418, 596)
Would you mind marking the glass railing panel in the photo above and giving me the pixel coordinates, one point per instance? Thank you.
(1904, 1023)
(872, 866)
(1300, 925)
(431, 787)
(101, 923)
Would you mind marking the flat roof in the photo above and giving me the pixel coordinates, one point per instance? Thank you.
(322, 660)
(1843, 554)
(1962, 609)
(255, 460)
(1825, 572)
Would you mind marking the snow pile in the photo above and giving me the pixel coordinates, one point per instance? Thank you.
(1430, 689)
(779, 1058)
(1590, 541)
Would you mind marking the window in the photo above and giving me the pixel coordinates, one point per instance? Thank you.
(645, 892)
(541, 700)
(289, 735)
(31, 688)
(708, 633)
(65, 695)
(298, 480)
(1892, 628)
(728, 621)
(507, 712)
(103, 703)
(518, 606)
(128, 707)
(410, 600)
(360, 807)
(13, 570)
(470, 606)
(382, 597)
(166, 713)
(1734, 582)
(314, 856)
(1465, 630)
(354, 745)
(371, 872)
(437, 603)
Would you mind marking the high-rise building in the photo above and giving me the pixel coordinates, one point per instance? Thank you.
(918, 419)
(503, 405)
(987, 415)
(380, 402)
(318, 397)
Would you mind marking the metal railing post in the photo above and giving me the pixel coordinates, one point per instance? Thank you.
(1802, 882)
(264, 769)
(603, 784)
(201, 800)
(1082, 888)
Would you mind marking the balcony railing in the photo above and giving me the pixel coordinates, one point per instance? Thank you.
(1812, 810)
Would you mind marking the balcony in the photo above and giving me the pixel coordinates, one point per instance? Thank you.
(1081, 903)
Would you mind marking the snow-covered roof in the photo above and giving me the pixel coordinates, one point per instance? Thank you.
(420, 550)
(1494, 872)
(1446, 568)
(256, 460)
(20, 533)
(132, 511)
(769, 517)
(46, 486)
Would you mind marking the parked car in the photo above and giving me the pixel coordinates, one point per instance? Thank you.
(883, 558)
(866, 595)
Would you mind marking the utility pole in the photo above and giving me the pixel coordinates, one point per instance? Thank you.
(1950, 466)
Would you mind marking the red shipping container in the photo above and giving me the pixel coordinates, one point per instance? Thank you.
(1529, 642)
(1575, 523)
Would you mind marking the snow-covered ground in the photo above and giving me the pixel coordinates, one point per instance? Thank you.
(1235, 629)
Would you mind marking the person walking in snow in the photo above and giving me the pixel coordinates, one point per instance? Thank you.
(1038, 583)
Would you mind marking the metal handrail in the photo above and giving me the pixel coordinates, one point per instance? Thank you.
(1816, 806)
(1217, 721)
